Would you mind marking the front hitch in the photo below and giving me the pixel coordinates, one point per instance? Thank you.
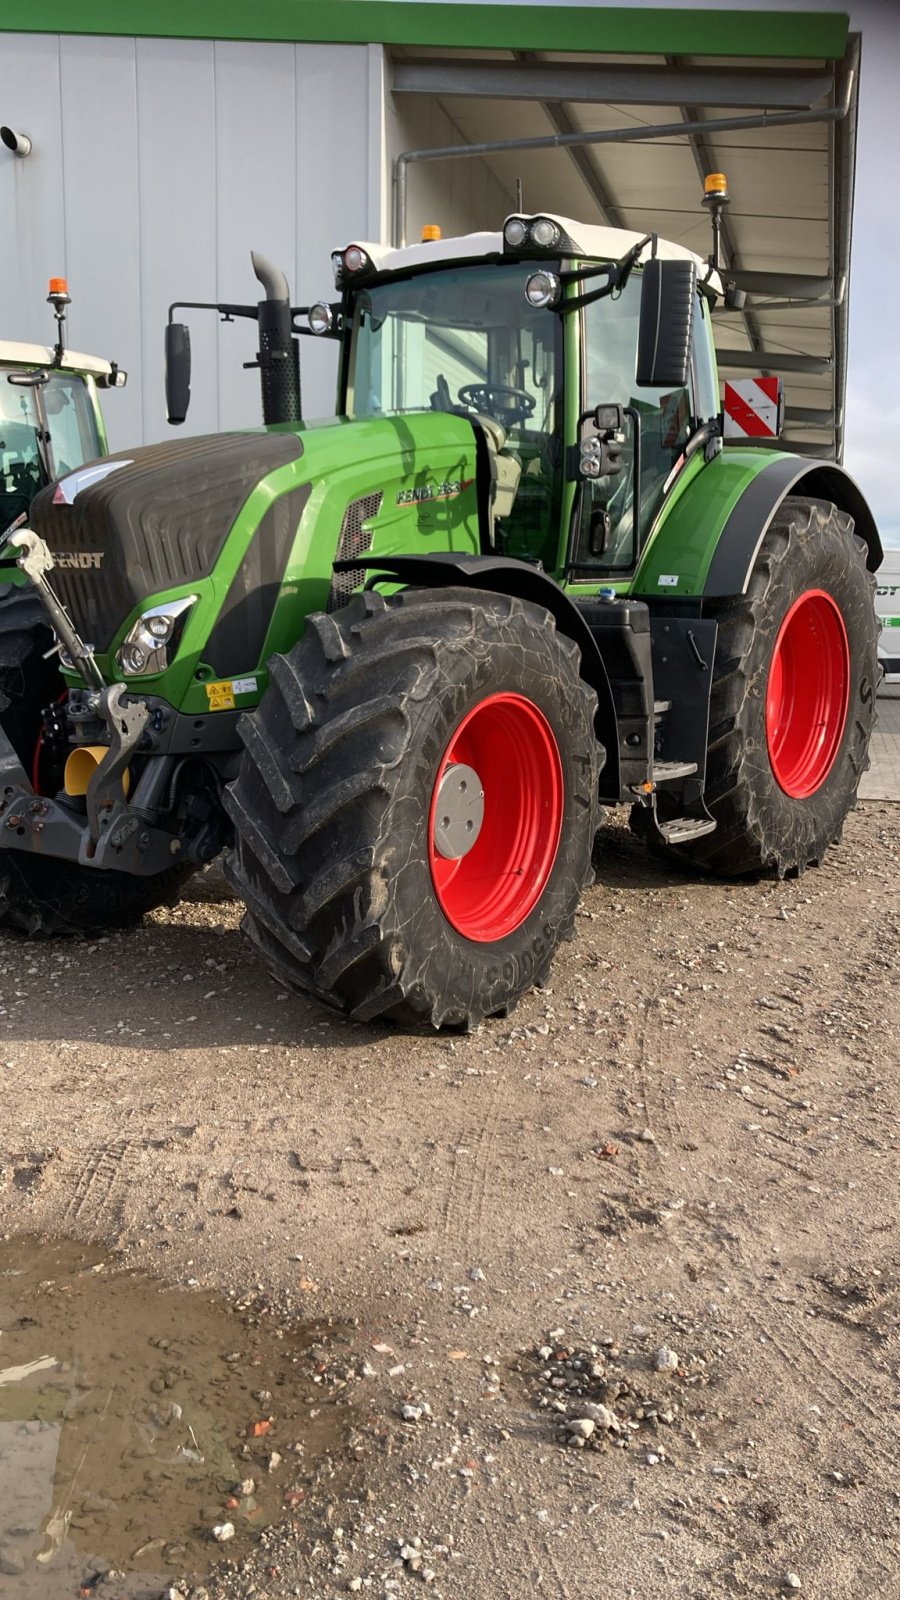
(114, 834)
(126, 723)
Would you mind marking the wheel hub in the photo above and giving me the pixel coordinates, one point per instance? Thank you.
(501, 772)
(459, 812)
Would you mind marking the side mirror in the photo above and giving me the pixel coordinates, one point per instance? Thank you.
(178, 370)
(668, 297)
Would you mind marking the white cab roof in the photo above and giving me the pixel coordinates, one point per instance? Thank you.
(13, 354)
(590, 241)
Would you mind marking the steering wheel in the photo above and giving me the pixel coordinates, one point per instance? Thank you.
(500, 400)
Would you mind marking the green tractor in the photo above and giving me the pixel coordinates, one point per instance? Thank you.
(398, 662)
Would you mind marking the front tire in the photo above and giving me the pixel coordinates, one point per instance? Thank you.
(793, 700)
(374, 874)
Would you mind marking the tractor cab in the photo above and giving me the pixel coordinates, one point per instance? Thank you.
(464, 339)
(547, 328)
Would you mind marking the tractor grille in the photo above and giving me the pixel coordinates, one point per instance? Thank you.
(355, 540)
(149, 519)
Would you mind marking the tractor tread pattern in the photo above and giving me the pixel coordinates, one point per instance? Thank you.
(761, 831)
(319, 804)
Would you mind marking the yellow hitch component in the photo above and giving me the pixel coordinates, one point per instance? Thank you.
(81, 766)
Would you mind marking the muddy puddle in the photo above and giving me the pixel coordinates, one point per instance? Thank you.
(134, 1420)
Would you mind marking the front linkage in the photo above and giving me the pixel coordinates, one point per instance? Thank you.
(114, 833)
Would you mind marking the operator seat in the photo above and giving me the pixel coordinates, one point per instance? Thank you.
(506, 470)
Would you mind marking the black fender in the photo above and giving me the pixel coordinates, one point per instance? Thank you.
(746, 527)
(505, 575)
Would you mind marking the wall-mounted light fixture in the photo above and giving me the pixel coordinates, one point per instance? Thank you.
(18, 143)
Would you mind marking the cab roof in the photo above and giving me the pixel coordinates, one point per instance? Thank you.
(591, 241)
(14, 354)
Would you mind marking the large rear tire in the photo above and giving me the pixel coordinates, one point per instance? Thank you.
(42, 897)
(360, 793)
(793, 700)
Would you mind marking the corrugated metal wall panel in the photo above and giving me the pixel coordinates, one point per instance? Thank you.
(175, 179)
(256, 182)
(333, 90)
(157, 165)
(102, 247)
(32, 219)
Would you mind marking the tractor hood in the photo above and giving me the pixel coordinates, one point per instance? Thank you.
(237, 517)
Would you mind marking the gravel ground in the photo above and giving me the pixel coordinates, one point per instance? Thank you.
(610, 1288)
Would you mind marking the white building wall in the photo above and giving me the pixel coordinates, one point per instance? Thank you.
(157, 165)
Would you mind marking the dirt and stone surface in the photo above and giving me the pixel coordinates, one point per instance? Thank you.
(605, 1294)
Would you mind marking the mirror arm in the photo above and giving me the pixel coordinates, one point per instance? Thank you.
(336, 331)
(565, 306)
(617, 272)
(226, 311)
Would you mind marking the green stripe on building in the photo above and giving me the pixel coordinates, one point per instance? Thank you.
(608, 29)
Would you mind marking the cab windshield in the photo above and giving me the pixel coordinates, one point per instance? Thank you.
(465, 340)
(46, 428)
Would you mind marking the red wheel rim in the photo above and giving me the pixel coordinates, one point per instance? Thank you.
(807, 694)
(490, 890)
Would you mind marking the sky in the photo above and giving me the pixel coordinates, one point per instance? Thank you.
(872, 448)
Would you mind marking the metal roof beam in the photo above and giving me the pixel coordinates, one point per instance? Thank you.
(802, 447)
(812, 416)
(638, 132)
(586, 168)
(774, 361)
(614, 85)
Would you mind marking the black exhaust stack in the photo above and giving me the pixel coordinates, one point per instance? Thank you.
(278, 357)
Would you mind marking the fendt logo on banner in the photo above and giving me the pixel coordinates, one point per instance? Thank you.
(753, 408)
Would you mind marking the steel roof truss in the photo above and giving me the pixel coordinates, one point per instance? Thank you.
(614, 85)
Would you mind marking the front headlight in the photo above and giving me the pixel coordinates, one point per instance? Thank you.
(543, 289)
(151, 642)
(545, 232)
(320, 317)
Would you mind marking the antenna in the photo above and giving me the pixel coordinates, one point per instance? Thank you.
(520, 204)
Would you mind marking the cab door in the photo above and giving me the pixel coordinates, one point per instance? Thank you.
(614, 514)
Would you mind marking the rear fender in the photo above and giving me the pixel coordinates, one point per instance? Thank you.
(706, 540)
(746, 527)
(504, 575)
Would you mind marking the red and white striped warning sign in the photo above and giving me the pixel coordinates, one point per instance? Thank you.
(753, 408)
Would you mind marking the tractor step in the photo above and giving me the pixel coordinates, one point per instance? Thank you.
(671, 771)
(681, 829)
